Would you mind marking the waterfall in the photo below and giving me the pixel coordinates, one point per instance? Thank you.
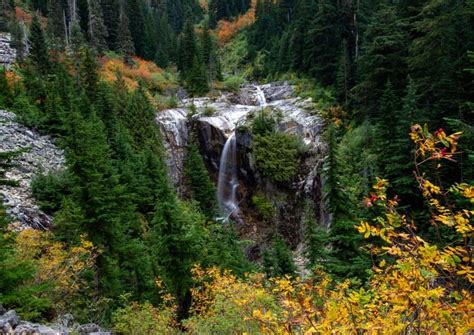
(262, 101)
(228, 182)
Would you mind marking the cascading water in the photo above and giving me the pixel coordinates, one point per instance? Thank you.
(228, 182)
(261, 99)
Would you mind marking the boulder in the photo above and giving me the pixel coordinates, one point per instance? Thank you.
(8, 321)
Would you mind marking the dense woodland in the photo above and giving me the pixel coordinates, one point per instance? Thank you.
(128, 253)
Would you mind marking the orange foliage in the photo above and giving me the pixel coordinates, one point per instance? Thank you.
(21, 15)
(228, 29)
(141, 70)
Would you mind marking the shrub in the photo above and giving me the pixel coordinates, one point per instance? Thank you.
(276, 155)
(264, 206)
(137, 319)
(209, 111)
(233, 83)
(264, 123)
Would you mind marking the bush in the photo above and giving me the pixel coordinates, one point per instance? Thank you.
(276, 155)
(264, 123)
(137, 319)
(209, 111)
(233, 83)
(265, 208)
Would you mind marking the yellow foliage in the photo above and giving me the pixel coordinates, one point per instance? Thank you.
(423, 290)
(57, 264)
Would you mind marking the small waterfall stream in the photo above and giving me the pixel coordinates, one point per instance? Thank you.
(261, 99)
(228, 182)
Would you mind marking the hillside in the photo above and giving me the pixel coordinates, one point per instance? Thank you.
(236, 167)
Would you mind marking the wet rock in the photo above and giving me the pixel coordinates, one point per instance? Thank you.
(40, 155)
(87, 329)
(213, 120)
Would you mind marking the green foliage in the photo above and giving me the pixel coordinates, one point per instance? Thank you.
(233, 83)
(49, 190)
(277, 155)
(264, 206)
(277, 259)
(198, 181)
(136, 319)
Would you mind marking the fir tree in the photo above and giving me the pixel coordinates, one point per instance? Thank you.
(38, 47)
(124, 43)
(277, 259)
(197, 78)
(56, 21)
(137, 26)
(198, 181)
(97, 29)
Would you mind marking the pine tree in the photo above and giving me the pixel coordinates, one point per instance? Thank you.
(39, 56)
(89, 73)
(383, 59)
(344, 74)
(6, 94)
(5, 9)
(209, 55)
(188, 50)
(97, 29)
(277, 259)
(197, 78)
(137, 26)
(111, 20)
(56, 21)
(200, 185)
(124, 43)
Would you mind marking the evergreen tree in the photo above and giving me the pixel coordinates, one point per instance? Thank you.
(188, 50)
(56, 21)
(137, 26)
(97, 29)
(124, 42)
(277, 259)
(197, 79)
(112, 10)
(200, 185)
(39, 56)
(209, 55)
(383, 59)
(6, 94)
(344, 75)
(323, 41)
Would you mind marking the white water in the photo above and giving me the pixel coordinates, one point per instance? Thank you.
(228, 182)
(262, 101)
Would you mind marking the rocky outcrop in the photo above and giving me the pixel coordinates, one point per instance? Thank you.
(213, 120)
(10, 323)
(7, 53)
(40, 155)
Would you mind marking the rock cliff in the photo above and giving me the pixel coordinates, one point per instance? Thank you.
(7, 53)
(40, 155)
(213, 120)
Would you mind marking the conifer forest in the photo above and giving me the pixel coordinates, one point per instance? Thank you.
(236, 167)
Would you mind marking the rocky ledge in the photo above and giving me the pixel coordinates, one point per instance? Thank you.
(40, 155)
(11, 323)
(7, 53)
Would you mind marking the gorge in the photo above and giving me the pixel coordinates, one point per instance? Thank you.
(221, 126)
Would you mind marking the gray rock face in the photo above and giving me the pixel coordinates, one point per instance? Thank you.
(7, 53)
(41, 156)
(214, 120)
(10, 323)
